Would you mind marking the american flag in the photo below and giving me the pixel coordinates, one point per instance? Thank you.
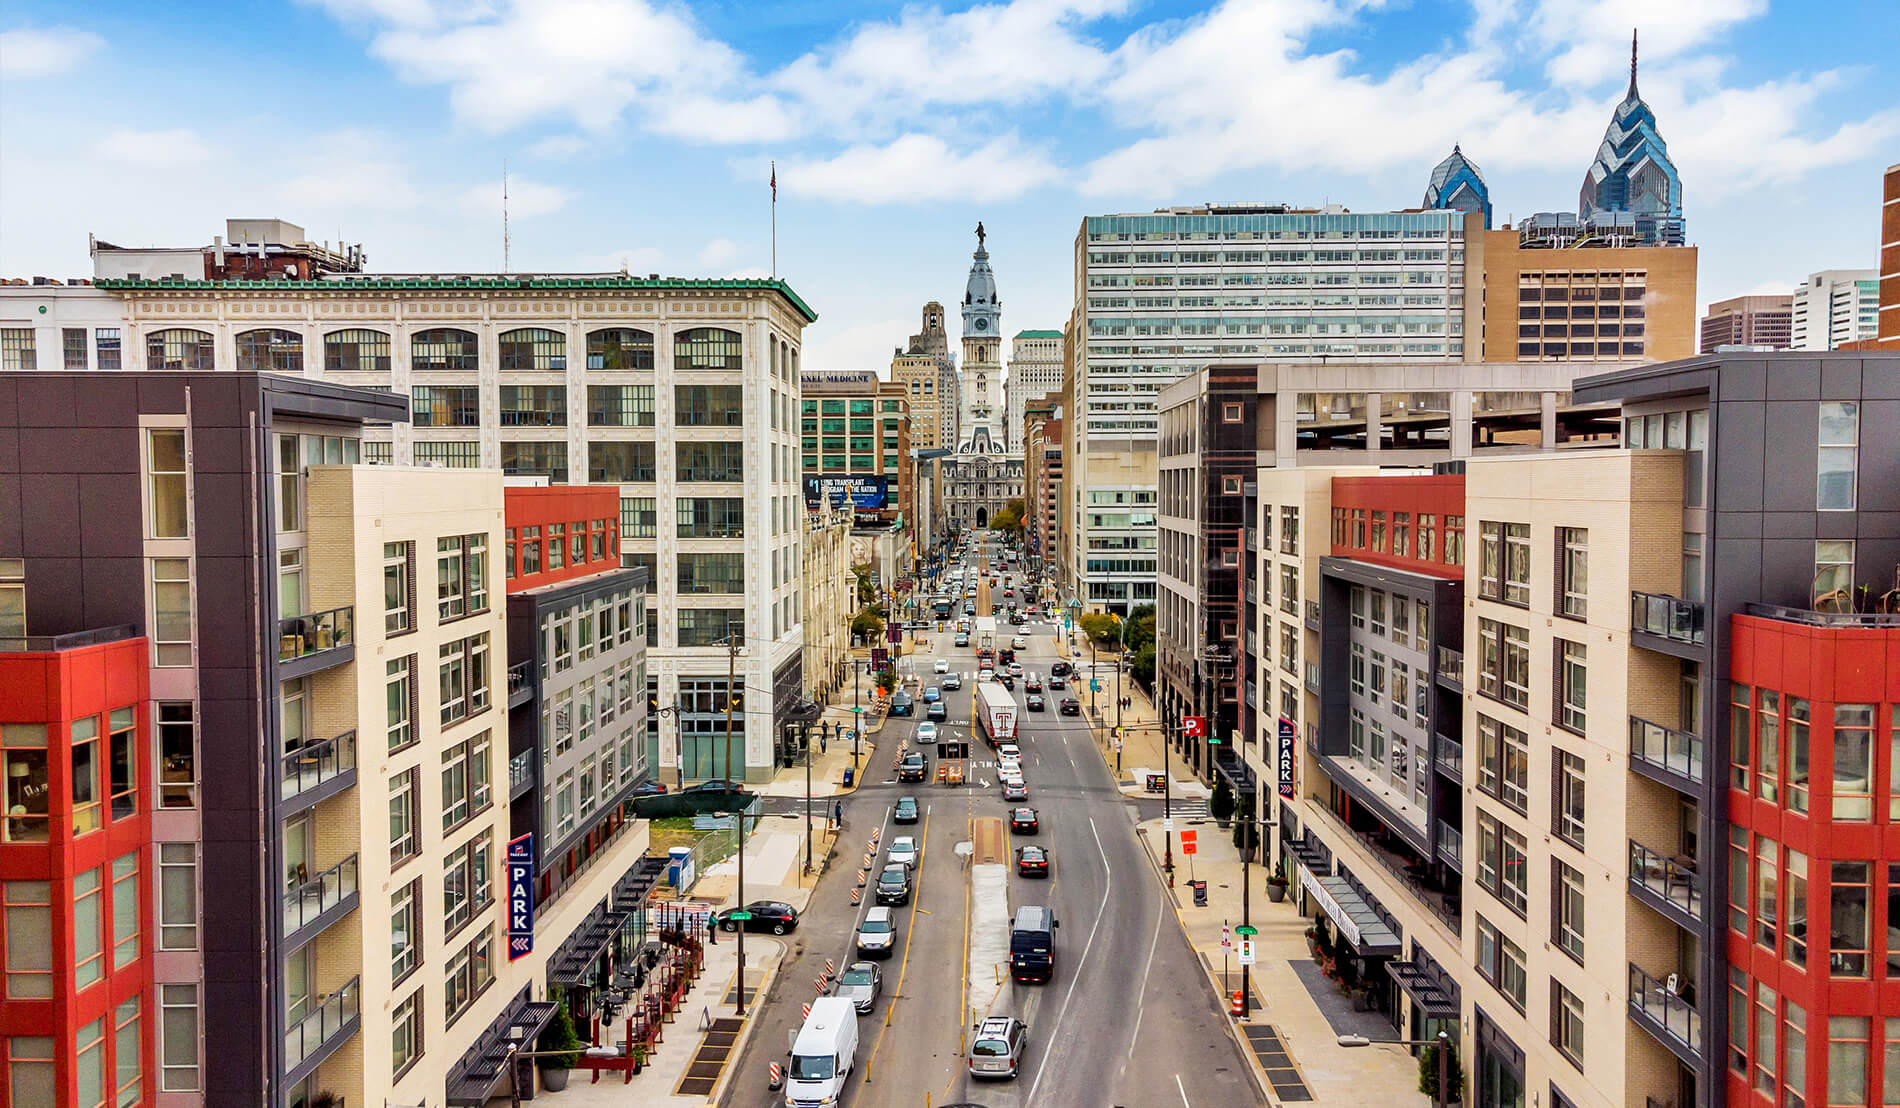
(775, 181)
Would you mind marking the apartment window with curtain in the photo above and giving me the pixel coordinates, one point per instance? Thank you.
(178, 1038)
(29, 931)
(172, 623)
(1573, 572)
(1572, 680)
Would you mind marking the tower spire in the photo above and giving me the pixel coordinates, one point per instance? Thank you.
(1632, 94)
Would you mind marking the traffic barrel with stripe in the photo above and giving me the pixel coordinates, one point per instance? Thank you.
(775, 1076)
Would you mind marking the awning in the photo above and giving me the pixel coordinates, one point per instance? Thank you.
(475, 1077)
(1310, 856)
(579, 952)
(1235, 770)
(1424, 990)
(1358, 923)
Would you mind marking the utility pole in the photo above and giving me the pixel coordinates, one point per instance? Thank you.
(1167, 809)
(732, 663)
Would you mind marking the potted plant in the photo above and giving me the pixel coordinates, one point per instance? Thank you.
(1276, 887)
(1428, 1072)
(558, 1036)
(1221, 804)
(639, 1053)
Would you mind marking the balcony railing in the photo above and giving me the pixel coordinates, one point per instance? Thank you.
(1674, 1016)
(1451, 757)
(1451, 846)
(1312, 676)
(301, 636)
(1670, 617)
(329, 890)
(1666, 879)
(334, 1017)
(71, 641)
(1666, 748)
(520, 678)
(1451, 667)
(312, 764)
(1824, 619)
(520, 772)
(1312, 613)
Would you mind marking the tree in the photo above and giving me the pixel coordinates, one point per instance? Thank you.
(867, 592)
(1221, 804)
(1141, 627)
(1428, 1071)
(1143, 666)
(867, 624)
(1009, 520)
(1101, 627)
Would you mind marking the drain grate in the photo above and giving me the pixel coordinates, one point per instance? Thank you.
(1282, 1072)
(709, 1060)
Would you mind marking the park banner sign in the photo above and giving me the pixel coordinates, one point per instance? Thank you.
(863, 491)
(521, 896)
(1286, 758)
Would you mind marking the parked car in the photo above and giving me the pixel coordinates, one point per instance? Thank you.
(893, 885)
(952, 681)
(1071, 706)
(1032, 861)
(877, 935)
(1023, 821)
(1034, 702)
(774, 916)
(860, 983)
(996, 1050)
(649, 788)
(902, 704)
(906, 810)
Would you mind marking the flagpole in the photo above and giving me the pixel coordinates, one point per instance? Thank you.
(775, 219)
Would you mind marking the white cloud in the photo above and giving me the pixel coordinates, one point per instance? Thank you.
(404, 13)
(918, 167)
(29, 52)
(719, 251)
(638, 261)
(155, 149)
(355, 175)
(558, 146)
(862, 345)
(526, 199)
(1591, 38)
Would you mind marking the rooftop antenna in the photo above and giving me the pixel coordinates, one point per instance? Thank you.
(1632, 92)
(506, 245)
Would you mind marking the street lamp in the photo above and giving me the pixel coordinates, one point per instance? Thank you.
(803, 715)
(1442, 1042)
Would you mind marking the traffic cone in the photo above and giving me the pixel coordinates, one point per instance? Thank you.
(1239, 1006)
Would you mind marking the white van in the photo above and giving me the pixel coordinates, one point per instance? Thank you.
(823, 1054)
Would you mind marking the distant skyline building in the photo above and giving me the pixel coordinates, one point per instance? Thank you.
(1035, 371)
(1834, 307)
(1748, 321)
(1632, 172)
(1457, 182)
(982, 380)
(933, 341)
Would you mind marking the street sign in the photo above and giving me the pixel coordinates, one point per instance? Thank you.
(1189, 843)
(1094, 685)
(740, 916)
(1167, 824)
(1226, 939)
(1194, 727)
(1247, 929)
(1246, 952)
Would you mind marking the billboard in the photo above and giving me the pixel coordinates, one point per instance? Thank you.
(1286, 758)
(869, 491)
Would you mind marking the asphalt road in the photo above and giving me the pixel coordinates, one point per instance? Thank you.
(1128, 1018)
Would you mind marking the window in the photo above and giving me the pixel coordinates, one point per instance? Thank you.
(1402, 534)
(546, 459)
(86, 788)
(1289, 530)
(1797, 951)
(177, 896)
(405, 1030)
(1501, 861)
(639, 517)
(1567, 811)
(710, 461)
(620, 405)
(470, 973)
(1454, 540)
(467, 882)
(461, 576)
(445, 406)
(405, 931)
(1427, 536)
(89, 1062)
(12, 599)
(123, 755)
(165, 470)
(466, 788)
(270, 351)
(557, 545)
(1572, 679)
(1573, 571)
(1849, 889)
(1794, 1055)
(29, 933)
(1503, 763)
(1566, 1023)
(177, 349)
(462, 677)
(1741, 732)
(1853, 762)
(1378, 532)
(443, 349)
(178, 1038)
(16, 349)
(1834, 573)
(1566, 909)
(89, 955)
(128, 1079)
(404, 843)
(1838, 457)
(712, 573)
(1289, 589)
(1797, 741)
(1767, 892)
(620, 348)
(1738, 1021)
(533, 406)
(709, 405)
(1504, 662)
(1501, 962)
(709, 626)
(618, 462)
(1847, 1061)
(708, 348)
(106, 340)
(125, 910)
(399, 695)
(177, 755)
(451, 455)
(73, 344)
(533, 348)
(1377, 612)
(1505, 562)
(356, 351)
(171, 612)
(399, 595)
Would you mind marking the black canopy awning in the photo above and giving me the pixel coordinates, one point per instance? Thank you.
(1424, 990)
(478, 1075)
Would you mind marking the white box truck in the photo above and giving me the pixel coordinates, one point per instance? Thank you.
(824, 1051)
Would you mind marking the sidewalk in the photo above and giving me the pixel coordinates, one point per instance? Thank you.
(1306, 1032)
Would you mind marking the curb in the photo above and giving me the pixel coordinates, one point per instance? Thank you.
(764, 996)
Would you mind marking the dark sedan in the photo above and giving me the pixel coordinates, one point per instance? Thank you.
(1071, 706)
(906, 810)
(1034, 702)
(1023, 821)
(774, 916)
(1032, 861)
(893, 885)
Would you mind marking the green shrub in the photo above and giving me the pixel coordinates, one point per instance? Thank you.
(559, 1035)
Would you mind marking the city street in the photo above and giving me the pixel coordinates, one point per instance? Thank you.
(1127, 1019)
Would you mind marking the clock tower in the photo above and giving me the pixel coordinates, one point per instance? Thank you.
(983, 404)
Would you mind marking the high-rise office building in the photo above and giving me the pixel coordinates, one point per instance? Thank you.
(1749, 321)
(1035, 371)
(929, 374)
(1835, 307)
(1632, 181)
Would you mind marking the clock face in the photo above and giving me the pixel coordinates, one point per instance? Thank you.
(982, 324)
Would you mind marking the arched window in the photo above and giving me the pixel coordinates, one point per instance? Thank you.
(443, 348)
(620, 348)
(356, 351)
(708, 348)
(270, 351)
(179, 348)
(533, 348)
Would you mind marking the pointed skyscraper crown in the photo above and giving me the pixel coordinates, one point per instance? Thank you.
(1632, 171)
(1458, 183)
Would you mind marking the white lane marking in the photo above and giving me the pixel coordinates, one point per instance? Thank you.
(1142, 992)
(1183, 1088)
(1108, 885)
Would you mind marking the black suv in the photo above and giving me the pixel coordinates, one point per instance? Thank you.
(1058, 669)
(767, 915)
(913, 767)
(893, 884)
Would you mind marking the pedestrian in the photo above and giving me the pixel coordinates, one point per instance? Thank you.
(712, 930)
(837, 813)
(821, 743)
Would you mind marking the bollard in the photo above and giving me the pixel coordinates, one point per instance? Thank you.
(860, 879)
(1239, 1005)
(857, 895)
(819, 986)
(831, 968)
(776, 1076)
(807, 1011)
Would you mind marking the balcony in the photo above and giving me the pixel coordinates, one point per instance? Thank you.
(1672, 1020)
(1451, 668)
(306, 644)
(314, 1037)
(1312, 677)
(1666, 884)
(1451, 846)
(520, 683)
(52, 644)
(1667, 755)
(1312, 614)
(1667, 618)
(1407, 869)
(311, 907)
(314, 772)
(1811, 618)
(520, 773)
(1451, 758)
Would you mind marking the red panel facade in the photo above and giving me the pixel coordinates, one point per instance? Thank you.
(1412, 522)
(1814, 857)
(584, 518)
(78, 809)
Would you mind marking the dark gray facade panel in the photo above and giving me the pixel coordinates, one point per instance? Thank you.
(1737, 457)
(1880, 380)
(111, 514)
(1840, 378)
(1790, 433)
(1880, 439)
(1787, 573)
(1789, 379)
(1781, 525)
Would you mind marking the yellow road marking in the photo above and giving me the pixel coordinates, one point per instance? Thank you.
(916, 894)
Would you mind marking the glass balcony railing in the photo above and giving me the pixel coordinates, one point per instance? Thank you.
(1665, 878)
(312, 764)
(518, 677)
(520, 771)
(1666, 748)
(331, 889)
(1312, 612)
(1451, 666)
(1659, 1002)
(1451, 757)
(1451, 845)
(1312, 676)
(1670, 617)
(330, 1019)
(300, 636)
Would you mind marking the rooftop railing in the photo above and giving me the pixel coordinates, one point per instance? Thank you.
(48, 644)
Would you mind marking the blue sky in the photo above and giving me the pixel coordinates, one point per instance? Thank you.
(640, 132)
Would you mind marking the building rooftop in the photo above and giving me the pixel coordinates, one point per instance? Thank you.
(1038, 334)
